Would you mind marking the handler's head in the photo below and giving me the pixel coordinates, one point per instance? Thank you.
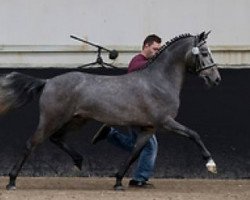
(151, 45)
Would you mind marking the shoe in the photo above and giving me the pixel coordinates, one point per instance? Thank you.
(140, 184)
(101, 134)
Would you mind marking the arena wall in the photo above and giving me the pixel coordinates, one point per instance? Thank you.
(37, 34)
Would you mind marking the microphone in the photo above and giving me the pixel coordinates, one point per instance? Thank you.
(113, 54)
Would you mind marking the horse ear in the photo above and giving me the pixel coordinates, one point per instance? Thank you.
(206, 34)
(203, 36)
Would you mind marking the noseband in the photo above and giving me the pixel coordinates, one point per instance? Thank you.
(199, 65)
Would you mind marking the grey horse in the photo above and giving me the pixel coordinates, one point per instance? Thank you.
(147, 99)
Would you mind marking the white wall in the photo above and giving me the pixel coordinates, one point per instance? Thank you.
(119, 23)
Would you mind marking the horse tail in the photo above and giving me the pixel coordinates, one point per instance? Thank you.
(17, 89)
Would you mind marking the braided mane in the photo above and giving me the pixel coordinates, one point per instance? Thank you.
(167, 44)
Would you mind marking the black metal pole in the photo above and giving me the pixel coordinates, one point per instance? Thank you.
(95, 45)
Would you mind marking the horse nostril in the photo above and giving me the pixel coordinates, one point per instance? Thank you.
(218, 80)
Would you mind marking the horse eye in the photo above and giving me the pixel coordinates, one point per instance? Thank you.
(205, 54)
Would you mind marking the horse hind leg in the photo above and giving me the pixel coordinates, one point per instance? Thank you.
(58, 139)
(45, 128)
(142, 139)
(31, 144)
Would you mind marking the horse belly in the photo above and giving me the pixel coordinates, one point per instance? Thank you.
(116, 115)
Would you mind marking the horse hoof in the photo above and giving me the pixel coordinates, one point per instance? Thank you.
(10, 187)
(118, 188)
(211, 166)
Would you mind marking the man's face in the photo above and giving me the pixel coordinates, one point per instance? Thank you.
(150, 50)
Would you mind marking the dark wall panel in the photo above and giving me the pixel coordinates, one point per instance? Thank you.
(220, 115)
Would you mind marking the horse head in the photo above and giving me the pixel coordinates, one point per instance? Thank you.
(200, 60)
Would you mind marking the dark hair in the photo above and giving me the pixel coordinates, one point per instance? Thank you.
(150, 39)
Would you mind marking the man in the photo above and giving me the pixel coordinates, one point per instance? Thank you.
(147, 157)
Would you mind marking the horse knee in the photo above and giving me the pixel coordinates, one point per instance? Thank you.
(195, 136)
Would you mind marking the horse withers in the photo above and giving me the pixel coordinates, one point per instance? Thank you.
(147, 99)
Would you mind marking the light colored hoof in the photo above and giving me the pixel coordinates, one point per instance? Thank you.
(211, 166)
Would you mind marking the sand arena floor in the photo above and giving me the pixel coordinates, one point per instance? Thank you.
(60, 188)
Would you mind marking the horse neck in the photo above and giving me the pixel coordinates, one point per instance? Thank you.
(168, 69)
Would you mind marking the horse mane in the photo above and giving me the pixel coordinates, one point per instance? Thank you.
(166, 45)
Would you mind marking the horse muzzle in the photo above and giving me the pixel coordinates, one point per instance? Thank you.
(211, 76)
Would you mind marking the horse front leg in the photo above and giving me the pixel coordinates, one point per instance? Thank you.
(142, 139)
(172, 125)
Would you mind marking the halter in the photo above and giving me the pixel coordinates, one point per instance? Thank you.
(199, 65)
